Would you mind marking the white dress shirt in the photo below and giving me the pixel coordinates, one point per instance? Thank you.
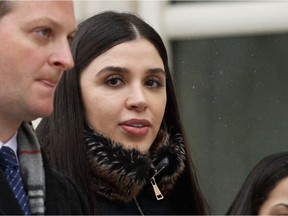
(11, 143)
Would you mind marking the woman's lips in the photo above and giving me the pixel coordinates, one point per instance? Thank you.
(136, 127)
(135, 131)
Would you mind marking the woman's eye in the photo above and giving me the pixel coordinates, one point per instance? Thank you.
(153, 82)
(114, 81)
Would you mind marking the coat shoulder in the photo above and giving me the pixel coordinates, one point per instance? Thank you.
(63, 196)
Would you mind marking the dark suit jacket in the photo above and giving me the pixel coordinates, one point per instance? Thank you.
(62, 195)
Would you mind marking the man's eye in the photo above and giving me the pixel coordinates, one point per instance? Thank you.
(44, 32)
(70, 39)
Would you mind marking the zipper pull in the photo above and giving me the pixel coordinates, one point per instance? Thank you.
(156, 189)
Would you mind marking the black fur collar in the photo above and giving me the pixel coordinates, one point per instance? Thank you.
(119, 174)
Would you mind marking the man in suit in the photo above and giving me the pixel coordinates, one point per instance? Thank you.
(34, 53)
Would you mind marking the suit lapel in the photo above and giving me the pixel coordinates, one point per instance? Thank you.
(8, 202)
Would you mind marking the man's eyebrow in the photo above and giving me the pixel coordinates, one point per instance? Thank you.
(44, 20)
(51, 22)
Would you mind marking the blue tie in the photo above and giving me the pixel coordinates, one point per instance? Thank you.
(9, 165)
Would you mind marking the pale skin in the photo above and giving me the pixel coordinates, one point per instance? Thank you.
(277, 202)
(35, 39)
(124, 93)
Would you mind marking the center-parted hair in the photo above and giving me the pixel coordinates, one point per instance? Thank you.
(95, 36)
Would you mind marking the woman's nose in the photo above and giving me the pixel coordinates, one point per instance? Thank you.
(137, 99)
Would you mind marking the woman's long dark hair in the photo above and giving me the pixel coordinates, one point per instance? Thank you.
(61, 134)
(259, 183)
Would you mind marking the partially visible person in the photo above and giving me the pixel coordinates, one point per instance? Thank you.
(34, 51)
(116, 127)
(265, 190)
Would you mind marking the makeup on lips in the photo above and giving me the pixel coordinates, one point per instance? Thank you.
(136, 127)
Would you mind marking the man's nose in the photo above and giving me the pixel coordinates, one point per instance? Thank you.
(62, 58)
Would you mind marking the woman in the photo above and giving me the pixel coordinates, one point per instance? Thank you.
(265, 190)
(116, 127)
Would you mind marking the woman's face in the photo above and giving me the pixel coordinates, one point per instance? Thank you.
(277, 202)
(124, 93)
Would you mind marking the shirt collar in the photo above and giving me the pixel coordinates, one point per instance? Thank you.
(11, 143)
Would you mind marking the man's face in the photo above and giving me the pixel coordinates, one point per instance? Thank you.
(34, 52)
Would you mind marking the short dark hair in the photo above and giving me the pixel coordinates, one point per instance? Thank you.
(5, 7)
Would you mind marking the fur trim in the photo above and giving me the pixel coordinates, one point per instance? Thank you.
(119, 174)
(173, 149)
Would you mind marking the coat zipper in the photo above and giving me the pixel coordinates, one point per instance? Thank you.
(156, 189)
(162, 165)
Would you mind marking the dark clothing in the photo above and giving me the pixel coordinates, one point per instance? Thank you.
(119, 175)
(174, 203)
(62, 196)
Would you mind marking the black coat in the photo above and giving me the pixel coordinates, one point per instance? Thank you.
(176, 202)
(62, 196)
(119, 175)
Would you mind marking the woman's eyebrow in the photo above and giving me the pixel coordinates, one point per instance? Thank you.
(156, 71)
(281, 204)
(125, 70)
(112, 69)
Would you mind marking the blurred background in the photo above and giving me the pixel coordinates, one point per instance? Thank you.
(229, 61)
